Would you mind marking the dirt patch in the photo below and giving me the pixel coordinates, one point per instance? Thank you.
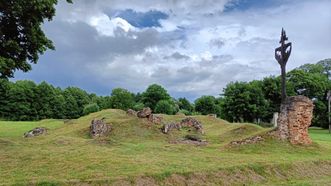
(190, 142)
(175, 179)
(144, 181)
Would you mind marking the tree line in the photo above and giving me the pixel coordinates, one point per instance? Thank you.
(259, 99)
(240, 102)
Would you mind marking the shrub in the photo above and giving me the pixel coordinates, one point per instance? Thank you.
(90, 108)
(138, 106)
(165, 107)
(186, 112)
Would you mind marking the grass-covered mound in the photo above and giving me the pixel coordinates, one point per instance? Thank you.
(137, 152)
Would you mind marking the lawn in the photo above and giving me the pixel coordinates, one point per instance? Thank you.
(137, 152)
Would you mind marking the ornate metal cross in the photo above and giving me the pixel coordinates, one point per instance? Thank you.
(282, 54)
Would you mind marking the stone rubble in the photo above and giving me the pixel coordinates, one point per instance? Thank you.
(144, 113)
(35, 132)
(99, 128)
(155, 119)
(192, 122)
(169, 126)
(131, 112)
(250, 140)
(187, 122)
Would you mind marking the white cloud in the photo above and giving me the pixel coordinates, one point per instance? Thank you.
(107, 26)
(197, 50)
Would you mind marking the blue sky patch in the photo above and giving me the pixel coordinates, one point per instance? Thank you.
(142, 20)
(240, 5)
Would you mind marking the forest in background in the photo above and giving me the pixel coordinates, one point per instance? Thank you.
(240, 101)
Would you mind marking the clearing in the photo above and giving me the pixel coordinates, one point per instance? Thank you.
(138, 153)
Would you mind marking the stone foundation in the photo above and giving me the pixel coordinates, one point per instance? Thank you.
(294, 119)
(99, 128)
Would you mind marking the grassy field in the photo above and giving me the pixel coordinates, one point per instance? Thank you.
(137, 153)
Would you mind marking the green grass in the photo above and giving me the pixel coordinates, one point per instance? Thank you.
(13, 129)
(137, 151)
(318, 134)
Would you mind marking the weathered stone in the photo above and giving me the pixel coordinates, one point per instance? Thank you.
(131, 112)
(250, 140)
(99, 128)
(192, 122)
(144, 113)
(193, 137)
(294, 119)
(212, 115)
(155, 119)
(35, 132)
(169, 126)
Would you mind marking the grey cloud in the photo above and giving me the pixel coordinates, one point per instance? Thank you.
(222, 58)
(98, 63)
(218, 43)
(177, 56)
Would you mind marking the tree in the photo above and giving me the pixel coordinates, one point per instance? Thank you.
(165, 107)
(4, 89)
(206, 105)
(244, 102)
(314, 83)
(71, 109)
(121, 99)
(184, 104)
(22, 96)
(44, 103)
(90, 108)
(21, 37)
(75, 100)
(153, 94)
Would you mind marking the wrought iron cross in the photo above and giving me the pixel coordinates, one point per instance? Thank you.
(282, 54)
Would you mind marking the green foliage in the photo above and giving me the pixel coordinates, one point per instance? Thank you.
(186, 112)
(121, 99)
(259, 99)
(75, 100)
(138, 106)
(313, 78)
(244, 102)
(22, 39)
(207, 105)
(21, 103)
(153, 94)
(185, 104)
(165, 107)
(90, 108)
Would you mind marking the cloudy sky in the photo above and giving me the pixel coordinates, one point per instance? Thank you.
(191, 47)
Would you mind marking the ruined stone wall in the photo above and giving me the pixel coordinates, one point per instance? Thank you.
(294, 119)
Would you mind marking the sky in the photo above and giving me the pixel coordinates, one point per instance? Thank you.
(190, 47)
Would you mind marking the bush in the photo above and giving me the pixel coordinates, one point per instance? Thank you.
(165, 107)
(90, 108)
(186, 112)
(138, 106)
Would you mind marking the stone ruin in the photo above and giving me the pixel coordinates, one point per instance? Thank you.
(35, 132)
(131, 112)
(295, 117)
(169, 126)
(144, 113)
(212, 115)
(99, 128)
(155, 119)
(192, 122)
(187, 122)
(250, 140)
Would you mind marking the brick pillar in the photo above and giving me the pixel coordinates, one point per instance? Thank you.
(294, 119)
